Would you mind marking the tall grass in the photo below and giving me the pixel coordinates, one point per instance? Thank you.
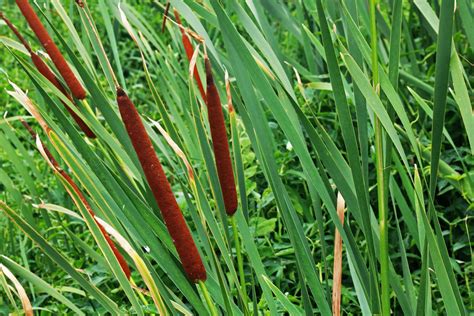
(368, 99)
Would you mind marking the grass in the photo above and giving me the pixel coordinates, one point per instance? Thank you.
(371, 101)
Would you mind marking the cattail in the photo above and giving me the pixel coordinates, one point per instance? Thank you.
(189, 49)
(48, 74)
(53, 51)
(220, 144)
(161, 188)
(118, 255)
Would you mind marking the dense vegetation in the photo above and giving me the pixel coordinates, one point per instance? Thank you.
(352, 109)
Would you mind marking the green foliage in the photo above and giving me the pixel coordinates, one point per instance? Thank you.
(315, 109)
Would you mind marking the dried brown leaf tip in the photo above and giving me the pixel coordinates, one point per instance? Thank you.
(219, 143)
(161, 189)
(46, 41)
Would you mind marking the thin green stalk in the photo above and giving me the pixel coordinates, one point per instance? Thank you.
(240, 262)
(207, 297)
(381, 192)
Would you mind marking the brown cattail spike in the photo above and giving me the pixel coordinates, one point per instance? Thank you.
(155, 175)
(48, 74)
(53, 51)
(67, 177)
(220, 144)
(189, 49)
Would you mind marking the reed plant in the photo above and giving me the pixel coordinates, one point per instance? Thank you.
(241, 158)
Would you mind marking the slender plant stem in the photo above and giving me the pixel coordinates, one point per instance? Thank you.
(240, 262)
(207, 297)
(385, 287)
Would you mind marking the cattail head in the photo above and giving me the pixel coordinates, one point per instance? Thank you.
(67, 177)
(48, 74)
(220, 144)
(80, 3)
(53, 51)
(161, 188)
(189, 49)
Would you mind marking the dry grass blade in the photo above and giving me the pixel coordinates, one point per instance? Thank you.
(337, 270)
(25, 301)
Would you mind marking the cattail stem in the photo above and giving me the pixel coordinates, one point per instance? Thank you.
(189, 49)
(381, 173)
(220, 144)
(161, 188)
(48, 74)
(70, 181)
(207, 298)
(53, 51)
(240, 261)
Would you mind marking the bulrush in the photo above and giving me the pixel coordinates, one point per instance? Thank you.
(67, 177)
(188, 47)
(53, 51)
(161, 188)
(48, 74)
(219, 143)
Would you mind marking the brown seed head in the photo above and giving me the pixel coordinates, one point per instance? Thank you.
(53, 51)
(189, 49)
(220, 144)
(161, 188)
